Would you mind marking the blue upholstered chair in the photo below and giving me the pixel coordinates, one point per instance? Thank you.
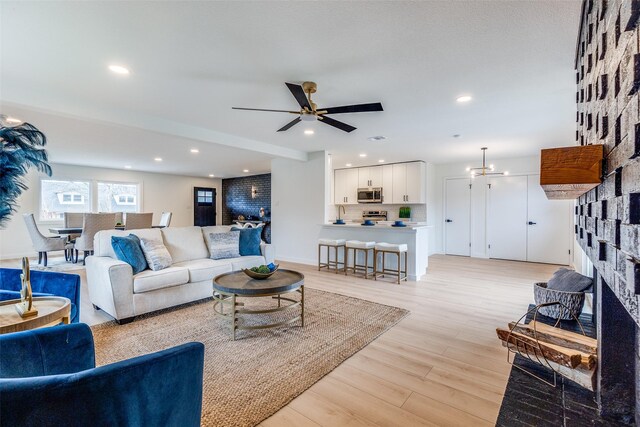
(48, 378)
(43, 284)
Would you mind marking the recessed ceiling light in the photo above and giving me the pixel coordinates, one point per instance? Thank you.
(118, 69)
(363, 155)
(245, 170)
(211, 175)
(127, 166)
(463, 98)
(158, 159)
(377, 138)
(381, 161)
(12, 120)
(348, 165)
(195, 150)
(456, 135)
(309, 132)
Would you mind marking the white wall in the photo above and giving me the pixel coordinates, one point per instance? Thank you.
(300, 195)
(522, 165)
(160, 192)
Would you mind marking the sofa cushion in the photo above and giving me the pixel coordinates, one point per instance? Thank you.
(150, 280)
(246, 262)
(156, 254)
(249, 240)
(128, 249)
(224, 245)
(568, 280)
(205, 269)
(102, 239)
(185, 243)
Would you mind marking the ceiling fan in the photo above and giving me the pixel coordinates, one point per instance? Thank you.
(309, 112)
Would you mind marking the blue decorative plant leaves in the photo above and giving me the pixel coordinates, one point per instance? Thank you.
(22, 147)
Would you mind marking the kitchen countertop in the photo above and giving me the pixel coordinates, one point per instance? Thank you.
(385, 225)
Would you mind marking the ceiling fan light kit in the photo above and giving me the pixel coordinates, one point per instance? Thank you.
(484, 170)
(309, 111)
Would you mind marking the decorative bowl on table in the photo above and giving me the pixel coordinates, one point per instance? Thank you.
(261, 273)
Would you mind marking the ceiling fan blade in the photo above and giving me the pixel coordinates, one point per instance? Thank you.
(298, 93)
(359, 108)
(261, 109)
(342, 126)
(290, 124)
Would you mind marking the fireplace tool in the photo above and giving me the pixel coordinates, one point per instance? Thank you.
(531, 348)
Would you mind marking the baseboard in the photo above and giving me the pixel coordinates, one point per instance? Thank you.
(18, 255)
(297, 260)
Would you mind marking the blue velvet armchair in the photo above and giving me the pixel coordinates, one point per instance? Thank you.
(43, 283)
(48, 378)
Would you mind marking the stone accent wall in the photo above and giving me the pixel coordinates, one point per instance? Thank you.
(608, 79)
(237, 199)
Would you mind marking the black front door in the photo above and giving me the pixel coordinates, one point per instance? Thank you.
(204, 206)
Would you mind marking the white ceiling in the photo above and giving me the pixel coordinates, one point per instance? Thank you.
(192, 61)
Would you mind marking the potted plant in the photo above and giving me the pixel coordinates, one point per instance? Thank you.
(22, 148)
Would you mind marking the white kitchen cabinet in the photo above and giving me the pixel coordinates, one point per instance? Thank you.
(408, 182)
(387, 184)
(345, 186)
(370, 176)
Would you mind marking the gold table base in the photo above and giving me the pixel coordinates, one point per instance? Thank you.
(220, 299)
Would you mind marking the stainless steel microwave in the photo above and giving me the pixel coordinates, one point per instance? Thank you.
(370, 195)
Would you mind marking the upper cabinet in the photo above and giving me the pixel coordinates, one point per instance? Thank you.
(346, 186)
(401, 183)
(370, 176)
(408, 183)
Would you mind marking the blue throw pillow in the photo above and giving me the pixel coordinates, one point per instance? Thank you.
(249, 240)
(128, 249)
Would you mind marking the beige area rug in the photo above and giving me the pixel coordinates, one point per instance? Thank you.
(248, 380)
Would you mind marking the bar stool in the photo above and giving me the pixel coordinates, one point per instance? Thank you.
(391, 248)
(336, 244)
(355, 246)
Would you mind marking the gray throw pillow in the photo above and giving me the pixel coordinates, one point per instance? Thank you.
(156, 254)
(568, 280)
(224, 245)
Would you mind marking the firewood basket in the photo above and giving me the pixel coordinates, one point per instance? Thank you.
(532, 348)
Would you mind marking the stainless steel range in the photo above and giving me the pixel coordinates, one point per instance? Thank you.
(374, 215)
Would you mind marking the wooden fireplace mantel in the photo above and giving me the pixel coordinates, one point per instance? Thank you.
(569, 172)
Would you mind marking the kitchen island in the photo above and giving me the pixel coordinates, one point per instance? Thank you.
(414, 235)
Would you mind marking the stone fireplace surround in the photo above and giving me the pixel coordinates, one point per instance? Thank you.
(608, 217)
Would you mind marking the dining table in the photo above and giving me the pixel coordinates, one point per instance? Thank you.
(73, 230)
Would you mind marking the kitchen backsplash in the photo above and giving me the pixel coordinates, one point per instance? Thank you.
(354, 212)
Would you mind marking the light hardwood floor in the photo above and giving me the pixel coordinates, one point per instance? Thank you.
(441, 365)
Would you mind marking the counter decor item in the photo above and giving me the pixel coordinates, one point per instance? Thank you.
(262, 272)
(399, 223)
(368, 222)
(339, 222)
(405, 212)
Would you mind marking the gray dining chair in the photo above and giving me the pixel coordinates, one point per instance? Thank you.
(73, 220)
(135, 221)
(92, 223)
(44, 244)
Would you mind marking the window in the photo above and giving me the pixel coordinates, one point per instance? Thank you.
(117, 197)
(58, 197)
(205, 198)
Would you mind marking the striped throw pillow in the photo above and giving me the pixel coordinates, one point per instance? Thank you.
(156, 254)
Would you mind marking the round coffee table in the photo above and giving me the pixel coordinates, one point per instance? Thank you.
(51, 311)
(229, 286)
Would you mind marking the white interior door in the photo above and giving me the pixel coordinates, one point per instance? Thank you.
(549, 226)
(507, 217)
(457, 217)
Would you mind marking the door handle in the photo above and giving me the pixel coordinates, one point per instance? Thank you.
(448, 220)
(532, 223)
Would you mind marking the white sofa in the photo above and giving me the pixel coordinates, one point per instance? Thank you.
(114, 289)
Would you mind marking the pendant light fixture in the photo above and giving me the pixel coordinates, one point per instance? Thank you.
(484, 170)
